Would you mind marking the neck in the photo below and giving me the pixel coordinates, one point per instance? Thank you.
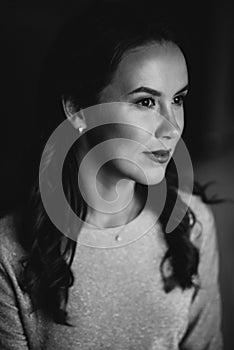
(112, 201)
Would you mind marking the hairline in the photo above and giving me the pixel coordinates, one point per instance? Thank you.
(134, 49)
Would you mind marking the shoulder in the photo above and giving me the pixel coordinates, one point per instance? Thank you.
(11, 250)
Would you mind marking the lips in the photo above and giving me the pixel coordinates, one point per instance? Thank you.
(161, 152)
(160, 156)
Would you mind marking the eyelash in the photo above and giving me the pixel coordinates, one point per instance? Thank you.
(145, 99)
(180, 103)
(181, 100)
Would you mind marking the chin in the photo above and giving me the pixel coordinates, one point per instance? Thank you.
(152, 177)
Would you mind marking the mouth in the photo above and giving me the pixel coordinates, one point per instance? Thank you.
(160, 156)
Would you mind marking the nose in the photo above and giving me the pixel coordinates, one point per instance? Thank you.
(167, 128)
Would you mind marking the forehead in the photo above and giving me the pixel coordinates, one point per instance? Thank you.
(159, 66)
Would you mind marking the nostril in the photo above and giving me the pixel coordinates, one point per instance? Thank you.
(167, 130)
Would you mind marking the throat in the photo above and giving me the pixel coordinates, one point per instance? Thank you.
(123, 217)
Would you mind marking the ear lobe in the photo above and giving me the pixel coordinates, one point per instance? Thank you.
(73, 114)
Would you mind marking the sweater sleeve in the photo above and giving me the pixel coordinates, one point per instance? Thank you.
(204, 326)
(11, 329)
(12, 332)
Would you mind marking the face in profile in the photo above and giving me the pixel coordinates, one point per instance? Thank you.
(147, 93)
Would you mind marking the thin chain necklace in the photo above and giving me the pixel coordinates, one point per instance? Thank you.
(137, 213)
(136, 207)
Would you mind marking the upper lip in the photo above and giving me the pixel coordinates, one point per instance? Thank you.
(160, 151)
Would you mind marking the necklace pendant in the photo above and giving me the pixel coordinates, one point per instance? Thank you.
(117, 238)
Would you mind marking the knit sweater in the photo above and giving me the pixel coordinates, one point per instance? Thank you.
(117, 301)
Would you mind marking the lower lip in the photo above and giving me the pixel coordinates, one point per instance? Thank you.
(158, 158)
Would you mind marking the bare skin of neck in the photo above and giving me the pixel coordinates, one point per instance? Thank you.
(129, 213)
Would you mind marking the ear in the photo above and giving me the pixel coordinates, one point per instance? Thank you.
(73, 114)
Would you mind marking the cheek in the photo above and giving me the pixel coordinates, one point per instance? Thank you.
(124, 122)
(127, 133)
(118, 141)
(181, 126)
(180, 121)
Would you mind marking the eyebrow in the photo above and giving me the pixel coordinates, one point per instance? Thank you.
(154, 92)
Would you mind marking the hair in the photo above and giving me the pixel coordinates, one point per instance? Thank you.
(81, 63)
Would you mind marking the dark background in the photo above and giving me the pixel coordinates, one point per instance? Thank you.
(27, 30)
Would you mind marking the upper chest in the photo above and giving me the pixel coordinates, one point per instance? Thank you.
(118, 300)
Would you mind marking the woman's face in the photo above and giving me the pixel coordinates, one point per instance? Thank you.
(149, 86)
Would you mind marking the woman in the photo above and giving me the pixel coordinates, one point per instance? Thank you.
(148, 289)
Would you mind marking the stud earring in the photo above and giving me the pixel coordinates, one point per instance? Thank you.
(80, 129)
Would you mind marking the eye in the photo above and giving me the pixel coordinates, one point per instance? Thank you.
(146, 102)
(179, 100)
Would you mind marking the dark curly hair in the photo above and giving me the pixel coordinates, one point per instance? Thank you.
(105, 34)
